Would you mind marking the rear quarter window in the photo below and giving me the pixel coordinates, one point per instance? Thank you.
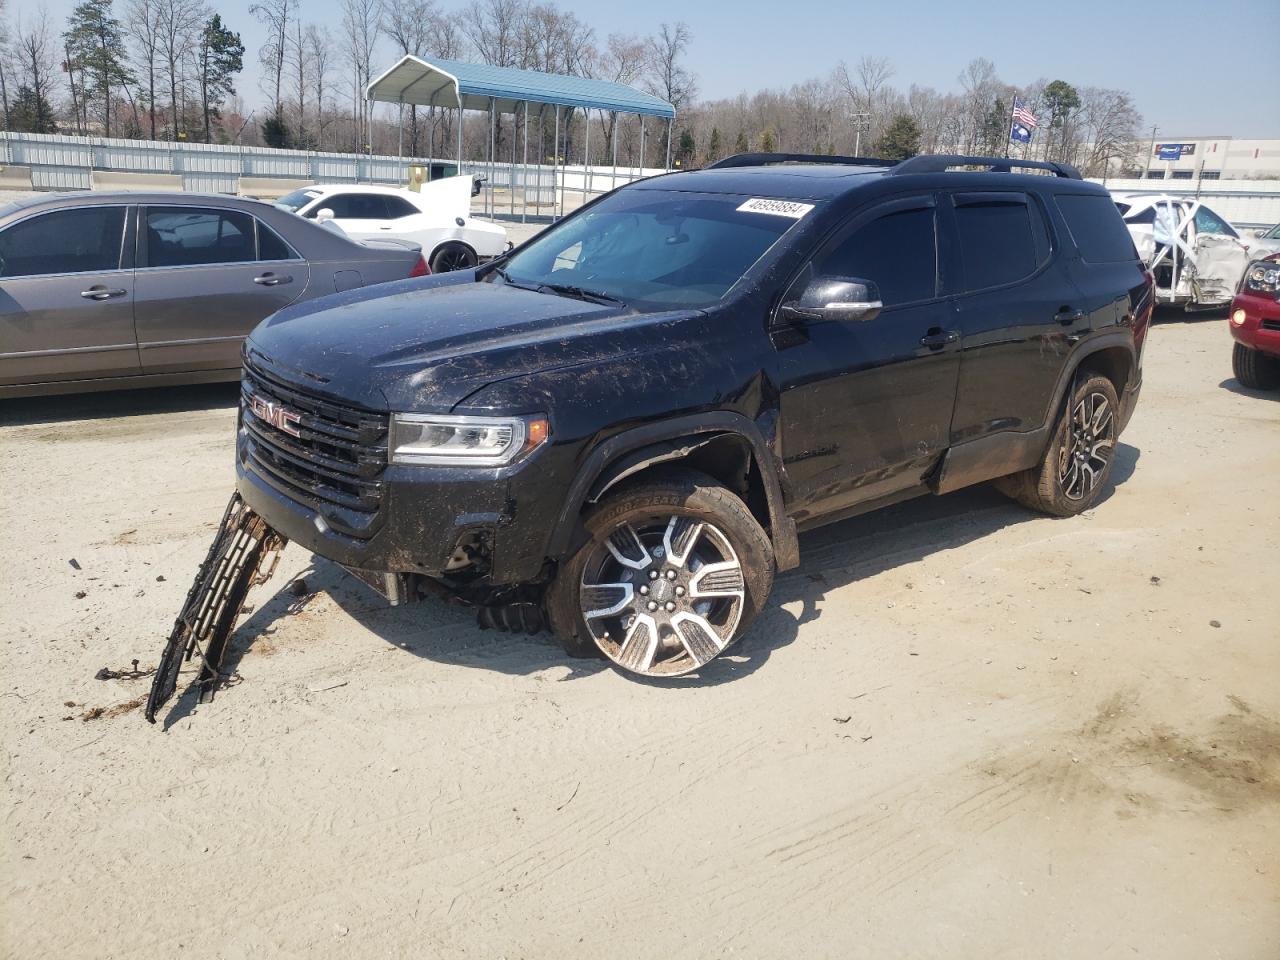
(1097, 228)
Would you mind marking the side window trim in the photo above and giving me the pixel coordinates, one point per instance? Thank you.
(860, 218)
(122, 253)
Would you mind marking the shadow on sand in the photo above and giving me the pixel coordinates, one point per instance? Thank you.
(832, 557)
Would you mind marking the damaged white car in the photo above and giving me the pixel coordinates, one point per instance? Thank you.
(1197, 257)
(437, 217)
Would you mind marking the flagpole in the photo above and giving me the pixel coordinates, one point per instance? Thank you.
(1008, 127)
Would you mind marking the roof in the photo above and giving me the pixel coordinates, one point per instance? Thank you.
(450, 83)
(790, 181)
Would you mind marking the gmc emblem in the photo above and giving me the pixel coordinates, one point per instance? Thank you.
(279, 416)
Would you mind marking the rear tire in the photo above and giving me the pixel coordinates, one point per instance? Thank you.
(672, 571)
(453, 256)
(1075, 468)
(1254, 369)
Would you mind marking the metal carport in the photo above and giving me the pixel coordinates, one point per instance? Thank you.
(450, 84)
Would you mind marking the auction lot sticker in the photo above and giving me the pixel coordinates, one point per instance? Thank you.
(779, 208)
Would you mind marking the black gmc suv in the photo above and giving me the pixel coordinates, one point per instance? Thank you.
(621, 425)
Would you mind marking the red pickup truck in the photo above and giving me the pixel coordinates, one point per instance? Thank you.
(1255, 324)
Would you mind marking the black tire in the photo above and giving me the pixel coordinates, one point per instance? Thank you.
(1254, 369)
(693, 624)
(453, 256)
(1077, 464)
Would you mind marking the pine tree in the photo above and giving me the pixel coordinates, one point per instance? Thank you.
(220, 57)
(741, 145)
(30, 113)
(714, 146)
(687, 149)
(96, 49)
(900, 140)
(275, 132)
(767, 142)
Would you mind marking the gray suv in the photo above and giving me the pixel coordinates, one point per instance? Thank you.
(113, 290)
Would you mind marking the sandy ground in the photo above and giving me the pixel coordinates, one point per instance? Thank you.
(959, 730)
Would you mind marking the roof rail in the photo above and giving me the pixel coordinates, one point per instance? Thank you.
(941, 162)
(768, 159)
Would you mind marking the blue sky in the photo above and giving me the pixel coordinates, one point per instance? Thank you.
(1195, 67)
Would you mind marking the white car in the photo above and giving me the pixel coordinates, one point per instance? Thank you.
(437, 217)
(1197, 256)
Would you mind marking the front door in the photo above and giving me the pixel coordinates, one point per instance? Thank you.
(66, 297)
(866, 405)
(201, 286)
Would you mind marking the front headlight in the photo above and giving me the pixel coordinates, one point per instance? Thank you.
(477, 441)
(1262, 277)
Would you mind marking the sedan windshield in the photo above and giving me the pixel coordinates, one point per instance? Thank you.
(656, 248)
(295, 201)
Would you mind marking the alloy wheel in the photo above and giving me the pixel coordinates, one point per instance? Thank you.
(662, 596)
(1087, 448)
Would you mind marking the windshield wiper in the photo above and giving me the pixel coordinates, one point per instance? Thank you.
(518, 284)
(580, 293)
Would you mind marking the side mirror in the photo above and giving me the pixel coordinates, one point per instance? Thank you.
(323, 214)
(835, 298)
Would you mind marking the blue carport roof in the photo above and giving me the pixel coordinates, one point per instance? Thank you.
(450, 83)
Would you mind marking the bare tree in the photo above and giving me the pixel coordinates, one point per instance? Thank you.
(1111, 123)
(179, 24)
(669, 78)
(622, 61)
(361, 23)
(36, 56)
(276, 16)
(496, 30)
(319, 59)
(409, 25)
(142, 19)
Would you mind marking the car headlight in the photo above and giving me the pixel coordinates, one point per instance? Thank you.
(1262, 277)
(475, 441)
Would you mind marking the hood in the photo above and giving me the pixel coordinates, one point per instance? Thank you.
(427, 344)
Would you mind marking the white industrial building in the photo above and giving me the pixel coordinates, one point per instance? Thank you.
(1210, 158)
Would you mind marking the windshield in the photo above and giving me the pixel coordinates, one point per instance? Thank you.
(295, 201)
(1273, 233)
(656, 248)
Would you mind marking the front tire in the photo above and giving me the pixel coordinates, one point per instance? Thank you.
(1075, 468)
(671, 573)
(1254, 369)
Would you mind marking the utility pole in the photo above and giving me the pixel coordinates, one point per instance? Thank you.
(859, 122)
(1151, 149)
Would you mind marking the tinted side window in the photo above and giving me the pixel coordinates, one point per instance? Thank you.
(270, 246)
(399, 207)
(898, 252)
(357, 206)
(1002, 238)
(64, 241)
(187, 236)
(1096, 227)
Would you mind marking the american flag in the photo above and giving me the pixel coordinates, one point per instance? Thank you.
(1022, 115)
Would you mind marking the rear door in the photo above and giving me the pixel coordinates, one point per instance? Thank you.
(1018, 317)
(207, 276)
(66, 297)
(866, 406)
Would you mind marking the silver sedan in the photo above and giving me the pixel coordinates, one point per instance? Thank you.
(114, 290)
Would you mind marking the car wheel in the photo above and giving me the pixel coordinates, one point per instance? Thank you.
(1074, 470)
(1254, 369)
(671, 572)
(453, 256)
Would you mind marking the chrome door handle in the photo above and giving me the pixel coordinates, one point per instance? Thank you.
(1067, 316)
(102, 293)
(937, 339)
(272, 279)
